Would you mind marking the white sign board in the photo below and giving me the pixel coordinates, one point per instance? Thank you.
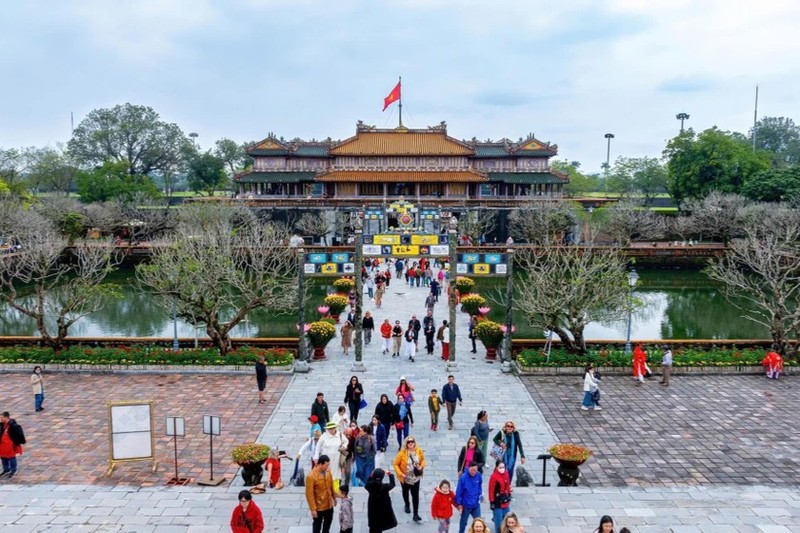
(130, 432)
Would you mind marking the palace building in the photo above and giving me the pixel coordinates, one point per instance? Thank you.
(375, 166)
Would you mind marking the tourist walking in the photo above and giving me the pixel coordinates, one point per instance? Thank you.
(511, 524)
(332, 444)
(409, 466)
(410, 344)
(469, 454)
(468, 495)
(499, 494)
(473, 321)
(666, 366)
(451, 394)
(443, 335)
(340, 419)
(435, 289)
(320, 495)
(347, 336)
(385, 413)
(352, 397)
(368, 326)
(606, 525)
(380, 291)
(309, 447)
(417, 326)
(320, 409)
(379, 432)
(386, 336)
(403, 419)
(482, 430)
(434, 406)
(590, 386)
(510, 442)
(406, 389)
(639, 364)
(346, 521)
(478, 525)
(380, 514)
(430, 302)
(442, 505)
(37, 383)
(397, 338)
(365, 448)
(370, 285)
(429, 330)
(247, 517)
(11, 440)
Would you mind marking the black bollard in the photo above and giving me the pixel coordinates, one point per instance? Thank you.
(544, 457)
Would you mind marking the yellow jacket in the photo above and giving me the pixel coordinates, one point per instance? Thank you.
(319, 490)
(401, 462)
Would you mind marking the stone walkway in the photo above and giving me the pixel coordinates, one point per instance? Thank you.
(677, 509)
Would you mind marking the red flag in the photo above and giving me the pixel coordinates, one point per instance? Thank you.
(393, 96)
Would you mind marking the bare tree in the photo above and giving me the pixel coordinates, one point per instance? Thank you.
(717, 216)
(567, 287)
(144, 218)
(543, 222)
(762, 268)
(218, 275)
(630, 220)
(476, 224)
(313, 225)
(43, 283)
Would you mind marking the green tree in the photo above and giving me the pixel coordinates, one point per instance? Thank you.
(779, 136)
(642, 175)
(4, 188)
(713, 160)
(113, 181)
(578, 182)
(206, 172)
(52, 169)
(131, 133)
(231, 154)
(774, 185)
(14, 165)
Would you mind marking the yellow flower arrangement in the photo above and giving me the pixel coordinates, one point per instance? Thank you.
(336, 303)
(472, 302)
(321, 333)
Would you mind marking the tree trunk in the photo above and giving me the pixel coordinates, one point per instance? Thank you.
(219, 339)
(566, 340)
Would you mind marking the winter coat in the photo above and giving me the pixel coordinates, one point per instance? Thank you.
(380, 514)
(400, 463)
(320, 410)
(468, 492)
(353, 394)
(442, 504)
(499, 484)
(385, 413)
(477, 456)
(380, 436)
(386, 330)
(250, 521)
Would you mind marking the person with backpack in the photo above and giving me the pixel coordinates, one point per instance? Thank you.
(11, 440)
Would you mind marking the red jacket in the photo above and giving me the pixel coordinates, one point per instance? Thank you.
(499, 484)
(249, 521)
(773, 359)
(386, 330)
(442, 504)
(639, 361)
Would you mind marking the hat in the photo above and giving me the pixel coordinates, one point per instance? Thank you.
(331, 425)
(314, 419)
(402, 378)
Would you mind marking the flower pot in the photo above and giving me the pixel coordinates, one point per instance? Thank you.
(252, 473)
(491, 354)
(319, 353)
(568, 472)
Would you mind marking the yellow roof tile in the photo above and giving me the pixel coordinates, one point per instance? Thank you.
(401, 142)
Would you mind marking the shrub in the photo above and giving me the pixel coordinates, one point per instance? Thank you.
(321, 333)
(336, 303)
(472, 302)
(250, 453)
(489, 333)
(682, 357)
(464, 285)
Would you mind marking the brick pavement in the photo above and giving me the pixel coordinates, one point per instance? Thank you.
(68, 441)
(700, 430)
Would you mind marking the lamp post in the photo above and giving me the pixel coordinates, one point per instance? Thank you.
(358, 226)
(451, 280)
(175, 344)
(608, 136)
(633, 277)
(682, 116)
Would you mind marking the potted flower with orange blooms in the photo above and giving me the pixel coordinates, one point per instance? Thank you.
(569, 457)
(251, 457)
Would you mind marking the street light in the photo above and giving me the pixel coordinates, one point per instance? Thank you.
(633, 277)
(608, 136)
(175, 344)
(682, 116)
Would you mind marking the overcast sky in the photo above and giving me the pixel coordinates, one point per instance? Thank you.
(567, 71)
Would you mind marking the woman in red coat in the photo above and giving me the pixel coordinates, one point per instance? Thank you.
(499, 493)
(774, 365)
(247, 516)
(639, 363)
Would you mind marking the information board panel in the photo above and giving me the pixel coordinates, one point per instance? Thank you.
(130, 433)
(479, 264)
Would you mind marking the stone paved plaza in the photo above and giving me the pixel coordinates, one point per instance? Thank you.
(650, 443)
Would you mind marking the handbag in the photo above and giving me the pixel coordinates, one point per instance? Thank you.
(497, 452)
(417, 471)
(399, 425)
(363, 404)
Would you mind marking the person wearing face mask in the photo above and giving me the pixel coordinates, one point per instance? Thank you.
(499, 494)
(37, 383)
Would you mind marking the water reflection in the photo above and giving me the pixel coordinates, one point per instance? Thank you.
(680, 304)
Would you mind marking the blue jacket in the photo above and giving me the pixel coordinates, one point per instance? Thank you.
(468, 491)
(451, 394)
(380, 438)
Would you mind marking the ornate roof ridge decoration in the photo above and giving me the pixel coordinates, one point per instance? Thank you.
(372, 141)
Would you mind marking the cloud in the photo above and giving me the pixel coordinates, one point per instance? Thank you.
(686, 85)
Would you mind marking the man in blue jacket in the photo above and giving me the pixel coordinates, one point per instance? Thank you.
(451, 394)
(468, 495)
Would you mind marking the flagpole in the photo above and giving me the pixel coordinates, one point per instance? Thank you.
(400, 100)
